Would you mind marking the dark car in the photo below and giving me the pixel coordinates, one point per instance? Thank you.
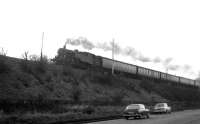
(136, 111)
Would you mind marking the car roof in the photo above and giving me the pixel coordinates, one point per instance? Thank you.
(161, 103)
(136, 105)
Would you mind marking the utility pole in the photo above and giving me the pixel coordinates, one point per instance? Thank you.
(113, 50)
(41, 56)
(167, 72)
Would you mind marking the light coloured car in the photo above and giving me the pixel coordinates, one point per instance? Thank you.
(136, 111)
(161, 108)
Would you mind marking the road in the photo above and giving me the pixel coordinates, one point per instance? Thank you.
(182, 117)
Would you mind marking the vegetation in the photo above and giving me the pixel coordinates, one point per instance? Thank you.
(172, 92)
(33, 88)
(4, 66)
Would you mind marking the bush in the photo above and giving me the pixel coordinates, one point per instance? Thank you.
(59, 109)
(172, 92)
(4, 66)
(41, 67)
(117, 98)
(67, 70)
(25, 66)
(40, 63)
(147, 85)
(76, 93)
(102, 79)
(89, 110)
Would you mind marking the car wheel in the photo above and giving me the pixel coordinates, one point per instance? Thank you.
(147, 115)
(126, 118)
(142, 116)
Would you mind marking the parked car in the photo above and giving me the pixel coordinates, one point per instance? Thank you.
(161, 108)
(136, 111)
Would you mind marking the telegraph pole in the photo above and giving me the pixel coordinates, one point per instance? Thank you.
(41, 56)
(167, 72)
(113, 50)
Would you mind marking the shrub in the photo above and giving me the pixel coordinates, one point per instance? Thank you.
(76, 95)
(41, 67)
(117, 98)
(48, 78)
(102, 79)
(40, 63)
(147, 85)
(88, 110)
(59, 109)
(67, 70)
(25, 66)
(4, 66)
(102, 100)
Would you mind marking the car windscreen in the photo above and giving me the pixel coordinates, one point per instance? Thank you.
(160, 105)
(133, 107)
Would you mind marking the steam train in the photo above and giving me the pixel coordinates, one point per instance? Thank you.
(88, 59)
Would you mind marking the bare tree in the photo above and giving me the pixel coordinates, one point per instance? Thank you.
(3, 52)
(25, 55)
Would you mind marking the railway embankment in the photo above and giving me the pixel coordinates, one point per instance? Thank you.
(32, 90)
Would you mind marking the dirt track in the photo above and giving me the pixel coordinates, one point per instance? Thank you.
(182, 117)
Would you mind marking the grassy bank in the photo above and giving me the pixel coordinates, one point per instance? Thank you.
(42, 91)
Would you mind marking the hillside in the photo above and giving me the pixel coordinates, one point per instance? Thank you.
(34, 80)
(43, 87)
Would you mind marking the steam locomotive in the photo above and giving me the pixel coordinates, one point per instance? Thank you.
(87, 59)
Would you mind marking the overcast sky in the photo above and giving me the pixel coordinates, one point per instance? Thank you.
(168, 30)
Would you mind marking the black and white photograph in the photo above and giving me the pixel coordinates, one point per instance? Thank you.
(99, 62)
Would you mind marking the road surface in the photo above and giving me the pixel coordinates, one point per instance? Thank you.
(182, 117)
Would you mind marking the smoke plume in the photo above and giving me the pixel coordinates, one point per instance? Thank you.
(186, 68)
(167, 61)
(81, 41)
(157, 60)
(104, 46)
(173, 67)
(127, 51)
(143, 58)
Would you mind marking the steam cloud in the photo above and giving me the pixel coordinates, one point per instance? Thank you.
(167, 63)
(128, 51)
(173, 67)
(81, 41)
(157, 60)
(144, 58)
(104, 46)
